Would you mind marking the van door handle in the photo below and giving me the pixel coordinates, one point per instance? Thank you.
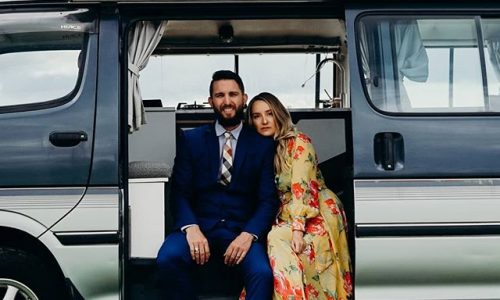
(389, 150)
(67, 139)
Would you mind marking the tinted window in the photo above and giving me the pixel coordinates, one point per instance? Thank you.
(431, 64)
(41, 56)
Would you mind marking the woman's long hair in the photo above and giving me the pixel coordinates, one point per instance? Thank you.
(284, 127)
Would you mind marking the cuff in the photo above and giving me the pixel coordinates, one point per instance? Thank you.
(183, 228)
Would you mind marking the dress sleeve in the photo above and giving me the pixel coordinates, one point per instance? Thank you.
(304, 202)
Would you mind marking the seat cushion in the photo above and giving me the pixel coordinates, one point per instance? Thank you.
(148, 169)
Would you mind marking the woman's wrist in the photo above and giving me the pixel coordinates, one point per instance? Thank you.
(299, 224)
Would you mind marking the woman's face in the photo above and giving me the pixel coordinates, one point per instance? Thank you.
(263, 118)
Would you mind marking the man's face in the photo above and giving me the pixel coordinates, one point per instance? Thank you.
(228, 101)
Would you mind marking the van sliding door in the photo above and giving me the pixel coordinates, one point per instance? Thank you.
(47, 82)
(426, 117)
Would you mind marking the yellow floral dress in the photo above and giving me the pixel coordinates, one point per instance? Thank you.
(323, 270)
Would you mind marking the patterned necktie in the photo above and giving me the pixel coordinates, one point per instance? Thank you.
(227, 160)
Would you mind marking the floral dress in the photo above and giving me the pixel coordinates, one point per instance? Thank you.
(323, 270)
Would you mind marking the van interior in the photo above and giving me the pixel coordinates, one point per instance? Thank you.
(302, 61)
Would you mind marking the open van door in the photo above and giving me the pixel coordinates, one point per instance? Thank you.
(425, 117)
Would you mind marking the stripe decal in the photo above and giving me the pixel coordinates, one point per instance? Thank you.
(18, 199)
(427, 201)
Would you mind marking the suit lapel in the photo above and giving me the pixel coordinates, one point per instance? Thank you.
(212, 144)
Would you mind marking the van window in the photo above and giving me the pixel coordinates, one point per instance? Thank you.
(431, 64)
(41, 56)
(184, 78)
(291, 58)
(181, 78)
(281, 74)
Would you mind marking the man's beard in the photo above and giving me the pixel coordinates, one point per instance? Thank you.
(235, 120)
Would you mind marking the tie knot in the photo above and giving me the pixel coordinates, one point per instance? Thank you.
(227, 135)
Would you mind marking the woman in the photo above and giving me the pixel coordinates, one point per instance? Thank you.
(307, 245)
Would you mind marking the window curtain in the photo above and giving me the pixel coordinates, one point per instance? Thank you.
(364, 52)
(410, 56)
(143, 40)
(412, 59)
(494, 52)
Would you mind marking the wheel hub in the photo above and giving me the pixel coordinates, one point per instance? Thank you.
(11, 289)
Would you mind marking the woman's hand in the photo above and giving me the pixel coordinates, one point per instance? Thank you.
(298, 243)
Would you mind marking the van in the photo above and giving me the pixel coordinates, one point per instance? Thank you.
(401, 100)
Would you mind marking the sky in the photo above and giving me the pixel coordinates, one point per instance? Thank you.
(38, 76)
(177, 78)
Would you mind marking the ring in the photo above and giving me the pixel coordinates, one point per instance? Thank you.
(196, 250)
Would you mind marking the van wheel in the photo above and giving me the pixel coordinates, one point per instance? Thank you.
(24, 276)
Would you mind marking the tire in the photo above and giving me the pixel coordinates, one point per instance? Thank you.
(28, 277)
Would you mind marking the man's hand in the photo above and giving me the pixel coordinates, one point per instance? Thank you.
(238, 248)
(198, 244)
(298, 243)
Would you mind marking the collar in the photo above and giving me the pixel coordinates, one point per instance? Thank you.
(219, 130)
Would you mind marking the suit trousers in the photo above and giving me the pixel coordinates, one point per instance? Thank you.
(177, 267)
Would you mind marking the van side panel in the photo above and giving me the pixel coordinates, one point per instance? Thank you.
(429, 228)
(28, 158)
(93, 269)
(427, 268)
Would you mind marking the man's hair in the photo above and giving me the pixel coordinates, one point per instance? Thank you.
(226, 75)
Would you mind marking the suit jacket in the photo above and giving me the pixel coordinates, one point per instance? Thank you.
(249, 203)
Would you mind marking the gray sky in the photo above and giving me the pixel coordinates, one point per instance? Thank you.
(40, 76)
(37, 76)
(186, 78)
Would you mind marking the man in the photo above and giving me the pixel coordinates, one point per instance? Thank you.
(223, 198)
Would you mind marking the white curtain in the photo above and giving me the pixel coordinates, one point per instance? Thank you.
(364, 52)
(412, 59)
(494, 52)
(413, 62)
(410, 56)
(143, 40)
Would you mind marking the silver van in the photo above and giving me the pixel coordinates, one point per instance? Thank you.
(401, 100)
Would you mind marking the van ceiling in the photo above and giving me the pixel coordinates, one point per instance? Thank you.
(243, 36)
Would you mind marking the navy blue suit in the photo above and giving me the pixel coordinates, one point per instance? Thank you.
(249, 203)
